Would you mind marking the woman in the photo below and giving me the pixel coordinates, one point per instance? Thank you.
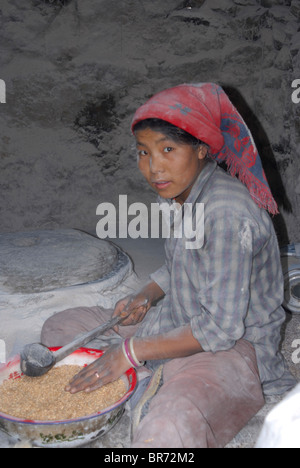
(212, 342)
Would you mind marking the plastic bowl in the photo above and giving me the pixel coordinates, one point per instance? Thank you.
(65, 433)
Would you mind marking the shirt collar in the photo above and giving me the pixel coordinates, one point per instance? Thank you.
(201, 181)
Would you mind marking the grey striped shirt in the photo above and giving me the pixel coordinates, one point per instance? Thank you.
(231, 287)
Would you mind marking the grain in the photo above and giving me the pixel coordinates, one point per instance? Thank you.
(45, 399)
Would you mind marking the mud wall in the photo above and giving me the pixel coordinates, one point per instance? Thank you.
(75, 71)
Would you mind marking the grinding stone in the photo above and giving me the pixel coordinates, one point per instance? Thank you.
(41, 261)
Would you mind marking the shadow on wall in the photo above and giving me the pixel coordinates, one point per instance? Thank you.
(56, 3)
(268, 161)
(96, 118)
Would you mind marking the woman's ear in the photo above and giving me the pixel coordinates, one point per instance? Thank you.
(202, 151)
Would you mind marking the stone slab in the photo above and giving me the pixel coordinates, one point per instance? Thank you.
(41, 261)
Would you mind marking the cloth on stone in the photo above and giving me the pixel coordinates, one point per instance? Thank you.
(205, 111)
(63, 327)
(281, 428)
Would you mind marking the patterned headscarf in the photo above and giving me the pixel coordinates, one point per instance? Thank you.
(205, 111)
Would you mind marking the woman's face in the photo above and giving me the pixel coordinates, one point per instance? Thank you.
(171, 168)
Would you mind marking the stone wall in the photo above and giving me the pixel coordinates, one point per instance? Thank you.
(76, 70)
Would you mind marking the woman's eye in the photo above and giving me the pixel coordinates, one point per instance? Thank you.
(168, 149)
(142, 153)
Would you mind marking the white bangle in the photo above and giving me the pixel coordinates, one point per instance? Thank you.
(125, 354)
(133, 353)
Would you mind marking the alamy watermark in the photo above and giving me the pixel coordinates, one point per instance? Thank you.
(2, 351)
(2, 92)
(163, 220)
(296, 93)
(296, 353)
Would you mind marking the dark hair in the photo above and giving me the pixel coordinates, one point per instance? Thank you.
(175, 133)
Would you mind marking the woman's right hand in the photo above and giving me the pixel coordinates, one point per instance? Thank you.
(134, 307)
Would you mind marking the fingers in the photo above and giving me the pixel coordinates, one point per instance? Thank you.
(104, 370)
(121, 305)
(120, 310)
(136, 316)
(127, 305)
(88, 379)
(135, 310)
(86, 383)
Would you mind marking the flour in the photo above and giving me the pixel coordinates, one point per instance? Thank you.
(245, 236)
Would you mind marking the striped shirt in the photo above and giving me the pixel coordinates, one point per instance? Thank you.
(231, 287)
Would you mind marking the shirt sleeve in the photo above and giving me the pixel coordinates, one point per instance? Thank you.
(224, 266)
(162, 278)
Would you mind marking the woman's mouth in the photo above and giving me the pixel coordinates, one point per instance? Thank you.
(160, 185)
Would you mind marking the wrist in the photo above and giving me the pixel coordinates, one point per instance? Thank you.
(152, 292)
(129, 354)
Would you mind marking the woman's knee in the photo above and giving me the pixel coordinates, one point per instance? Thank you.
(64, 326)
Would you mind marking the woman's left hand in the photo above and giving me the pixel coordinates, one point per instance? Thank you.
(104, 370)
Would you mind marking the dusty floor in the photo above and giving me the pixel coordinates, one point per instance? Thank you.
(147, 256)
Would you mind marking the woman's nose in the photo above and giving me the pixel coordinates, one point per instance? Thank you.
(156, 165)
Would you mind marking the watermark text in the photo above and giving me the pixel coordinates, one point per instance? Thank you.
(2, 92)
(164, 220)
(296, 353)
(2, 351)
(296, 93)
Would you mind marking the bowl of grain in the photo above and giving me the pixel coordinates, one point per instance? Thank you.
(39, 410)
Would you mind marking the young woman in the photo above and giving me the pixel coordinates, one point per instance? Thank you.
(212, 342)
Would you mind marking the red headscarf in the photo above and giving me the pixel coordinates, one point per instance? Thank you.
(205, 111)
